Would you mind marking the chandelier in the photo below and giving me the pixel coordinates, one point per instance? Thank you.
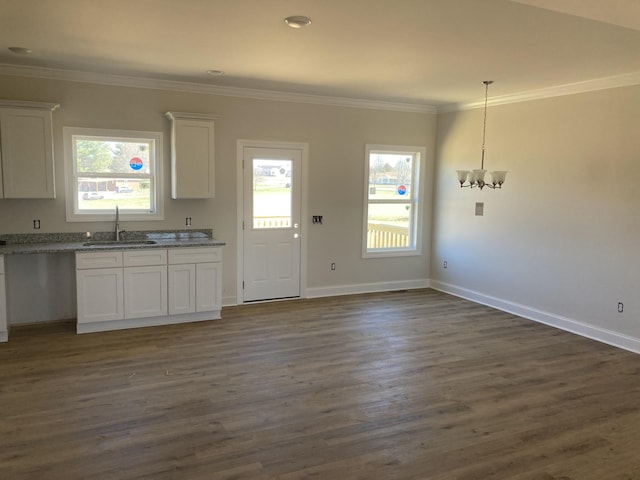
(476, 177)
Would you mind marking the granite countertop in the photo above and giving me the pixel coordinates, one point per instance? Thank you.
(78, 242)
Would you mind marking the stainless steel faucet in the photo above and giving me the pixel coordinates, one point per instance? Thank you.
(118, 229)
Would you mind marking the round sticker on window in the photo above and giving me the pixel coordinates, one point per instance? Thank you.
(135, 163)
(402, 190)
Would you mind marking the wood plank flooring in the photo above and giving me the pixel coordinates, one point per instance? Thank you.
(401, 385)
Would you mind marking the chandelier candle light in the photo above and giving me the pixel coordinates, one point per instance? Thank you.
(476, 177)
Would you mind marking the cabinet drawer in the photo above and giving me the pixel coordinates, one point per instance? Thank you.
(85, 260)
(195, 255)
(145, 257)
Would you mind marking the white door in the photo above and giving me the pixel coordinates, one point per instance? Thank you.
(271, 219)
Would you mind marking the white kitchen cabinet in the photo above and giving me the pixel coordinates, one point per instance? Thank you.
(182, 289)
(99, 287)
(26, 150)
(145, 292)
(4, 328)
(100, 295)
(192, 155)
(208, 287)
(145, 283)
(195, 276)
(150, 286)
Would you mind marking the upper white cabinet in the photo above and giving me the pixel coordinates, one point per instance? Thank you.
(192, 155)
(26, 150)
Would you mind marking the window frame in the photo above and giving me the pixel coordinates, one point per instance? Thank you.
(71, 174)
(416, 200)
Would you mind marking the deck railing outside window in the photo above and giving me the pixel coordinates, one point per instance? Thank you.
(381, 235)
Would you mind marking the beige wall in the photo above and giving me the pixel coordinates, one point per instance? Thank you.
(336, 138)
(560, 242)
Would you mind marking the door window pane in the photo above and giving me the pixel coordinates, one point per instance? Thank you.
(271, 193)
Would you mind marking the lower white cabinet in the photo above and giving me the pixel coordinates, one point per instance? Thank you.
(100, 294)
(145, 283)
(182, 289)
(142, 287)
(195, 276)
(4, 328)
(208, 287)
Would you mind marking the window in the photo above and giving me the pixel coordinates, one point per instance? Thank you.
(109, 168)
(393, 201)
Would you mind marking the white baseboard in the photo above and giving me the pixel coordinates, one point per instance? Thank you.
(354, 289)
(609, 337)
(336, 290)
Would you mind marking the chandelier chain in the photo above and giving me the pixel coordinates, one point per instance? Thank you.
(484, 123)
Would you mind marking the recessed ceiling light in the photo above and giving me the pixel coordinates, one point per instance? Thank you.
(215, 73)
(20, 50)
(297, 21)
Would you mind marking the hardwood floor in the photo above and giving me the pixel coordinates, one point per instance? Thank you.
(401, 385)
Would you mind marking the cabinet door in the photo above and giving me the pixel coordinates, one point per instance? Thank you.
(192, 159)
(182, 289)
(99, 294)
(27, 153)
(208, 287)
(145, 292)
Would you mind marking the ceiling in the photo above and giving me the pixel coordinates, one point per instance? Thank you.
(423, 52)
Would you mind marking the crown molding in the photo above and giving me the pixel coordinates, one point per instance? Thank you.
(190, 116)
(31, 105)
(624, 80)
(201, 88)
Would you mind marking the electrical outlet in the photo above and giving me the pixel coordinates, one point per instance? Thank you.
(444, 264)
(187, 221)
(333, 266)
(620, 307)
(36, 224)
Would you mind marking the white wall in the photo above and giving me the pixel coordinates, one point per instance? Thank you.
(336, 138)
(559, 243)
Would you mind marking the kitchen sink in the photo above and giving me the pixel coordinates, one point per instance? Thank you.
(108, 243)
